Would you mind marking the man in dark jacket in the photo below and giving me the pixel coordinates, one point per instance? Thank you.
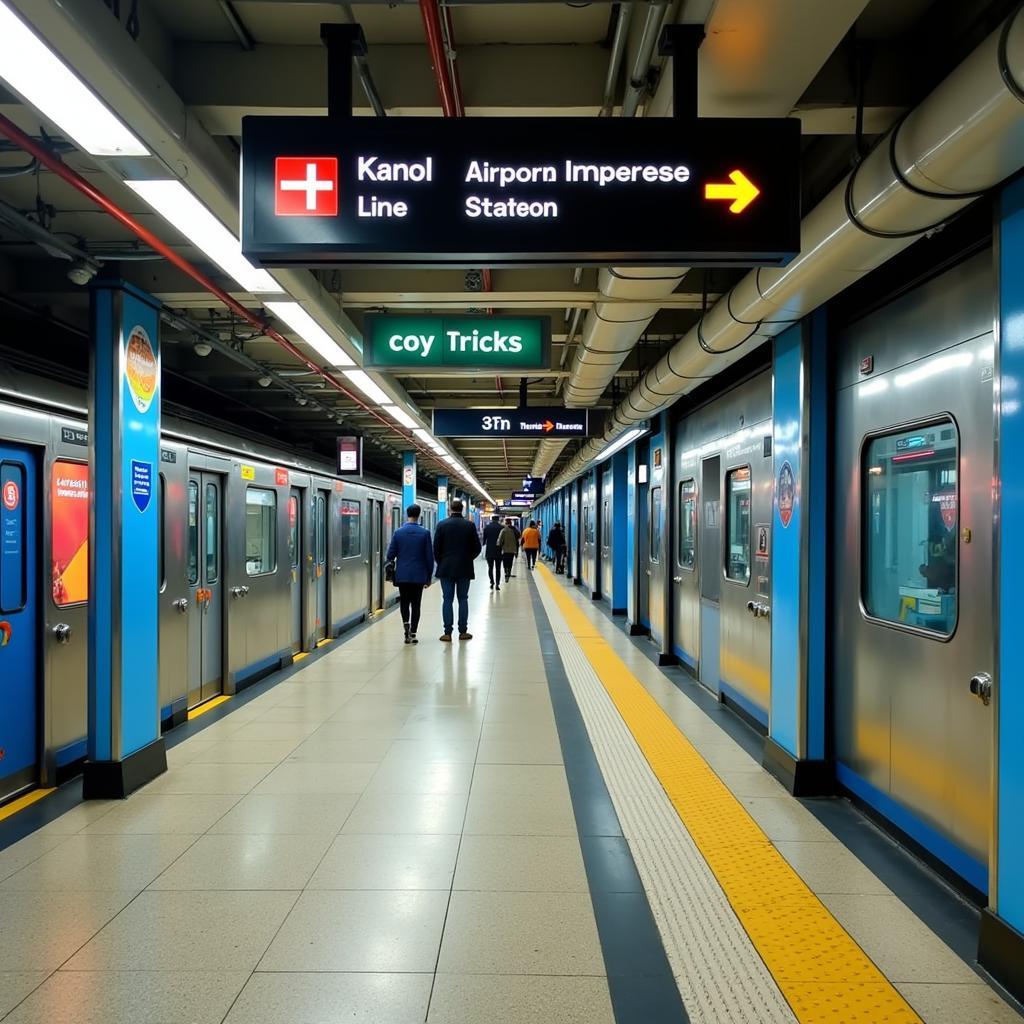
(414, 565)
(492, 552)
(456, 545)
(556, 541)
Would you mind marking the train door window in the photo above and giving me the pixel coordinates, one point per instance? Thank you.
(161, 506)
(293, 531)
(654, 527)
(351, 529)
(12, 553)
(688, 524)
(737, 525)
(260, 531)
(910, 527)
(193, 533)
(606, 526)
(320, 519)
(69, 533)
(211, 513)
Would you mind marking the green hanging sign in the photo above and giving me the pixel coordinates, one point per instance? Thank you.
(461, 344)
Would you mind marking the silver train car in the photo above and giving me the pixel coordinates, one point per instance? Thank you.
(264, 554)
(910, 611)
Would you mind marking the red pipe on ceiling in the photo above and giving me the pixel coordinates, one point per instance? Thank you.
(435, 43)
(53, 162)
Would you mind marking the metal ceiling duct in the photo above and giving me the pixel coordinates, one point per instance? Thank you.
(965, 138)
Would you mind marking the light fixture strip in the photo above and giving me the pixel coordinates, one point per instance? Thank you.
(300, 321)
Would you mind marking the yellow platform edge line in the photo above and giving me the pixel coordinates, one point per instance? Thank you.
(212, 703)
(824, 975)
(23, 801)
(325, 641)
(299, 656)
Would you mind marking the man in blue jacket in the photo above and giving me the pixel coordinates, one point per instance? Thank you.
(456, 545)
(414, 565)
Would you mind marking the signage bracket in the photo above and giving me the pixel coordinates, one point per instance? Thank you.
(681, 43)
(343, 42)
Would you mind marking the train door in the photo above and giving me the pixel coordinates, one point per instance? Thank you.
(205, 574)
(295, 534)
(574, 530)
(710, 561)
(19, 619)
(321, 503)
(376, 560)
(686, 579)
(643, 512)
(913, 604)
(657, 546)
(605, 575)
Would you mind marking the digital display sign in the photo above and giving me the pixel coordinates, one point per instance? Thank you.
(350, 456)
(462, 344)
(535, 421)
(520, 191)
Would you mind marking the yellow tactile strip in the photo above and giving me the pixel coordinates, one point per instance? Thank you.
(823, 974)
(22, 802)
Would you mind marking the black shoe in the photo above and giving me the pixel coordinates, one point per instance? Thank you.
(412, 638)
(492, 586)
(407, 640)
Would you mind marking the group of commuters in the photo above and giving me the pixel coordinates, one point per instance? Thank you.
(416, 559)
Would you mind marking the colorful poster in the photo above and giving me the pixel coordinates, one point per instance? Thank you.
(786, 493)
(69, 537)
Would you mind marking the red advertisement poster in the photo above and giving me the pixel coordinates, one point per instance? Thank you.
(69, 541)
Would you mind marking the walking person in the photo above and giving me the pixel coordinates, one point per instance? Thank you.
(411, 550)
(531, 544)
(492, 552)
(508, 545)
(456, 545)
(556, 541)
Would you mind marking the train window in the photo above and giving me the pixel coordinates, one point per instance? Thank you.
(688, 524)
(910, 527)
(321, 530)
(655, 524)
(69, 533)
(737, 525)
(260, 531)
(351, 529)
(211, 521)
(14, 542)
(606, 526)
(193, 533)
(293, 531)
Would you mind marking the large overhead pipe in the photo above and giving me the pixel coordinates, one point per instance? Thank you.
(624, 15)
(964, 139)
(645, 51)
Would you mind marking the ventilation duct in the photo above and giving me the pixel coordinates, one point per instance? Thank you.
(611, 329)
(965, 138)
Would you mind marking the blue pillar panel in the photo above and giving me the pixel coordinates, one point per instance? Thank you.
(408, 480)
(125, 434)
(787, 510)
(442, 498)
(1009, 703)
(620, 473)
(631, 567)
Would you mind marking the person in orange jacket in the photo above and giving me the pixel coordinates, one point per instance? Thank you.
(531, 543)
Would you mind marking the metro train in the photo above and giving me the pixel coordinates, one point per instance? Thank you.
(263, 554)
(910, 617)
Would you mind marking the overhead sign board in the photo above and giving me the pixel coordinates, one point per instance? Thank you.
(534, 485)
(517, 191)
(536, 421)
(462, 344)
(350, 456)
(524, 496)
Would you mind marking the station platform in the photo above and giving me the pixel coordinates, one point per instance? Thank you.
(534, 825)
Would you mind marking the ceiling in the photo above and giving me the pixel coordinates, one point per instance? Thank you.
(209, 63)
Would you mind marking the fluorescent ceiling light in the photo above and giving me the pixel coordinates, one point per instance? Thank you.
(299, 320)
(183, 211)
(424, 435)
(399, 414)
(35, 72)
(611, 449)
(368, 386)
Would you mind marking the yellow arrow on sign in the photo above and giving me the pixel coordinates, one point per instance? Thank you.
(742, 191)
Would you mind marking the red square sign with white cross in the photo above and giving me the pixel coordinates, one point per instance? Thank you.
(306, 186)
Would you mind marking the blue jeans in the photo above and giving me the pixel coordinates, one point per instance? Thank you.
(449, 589)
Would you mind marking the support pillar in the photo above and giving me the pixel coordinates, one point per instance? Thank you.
(1001, 943)
(442, 498)
(620, 532)
(125, 749)
(795, 746)
(408, 480)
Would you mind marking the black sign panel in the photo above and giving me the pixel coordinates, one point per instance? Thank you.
(534, 485)
(537, 421)
(518, 191)
(72, 435)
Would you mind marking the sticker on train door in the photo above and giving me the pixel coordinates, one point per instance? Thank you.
(761, 548)
(785, 494)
